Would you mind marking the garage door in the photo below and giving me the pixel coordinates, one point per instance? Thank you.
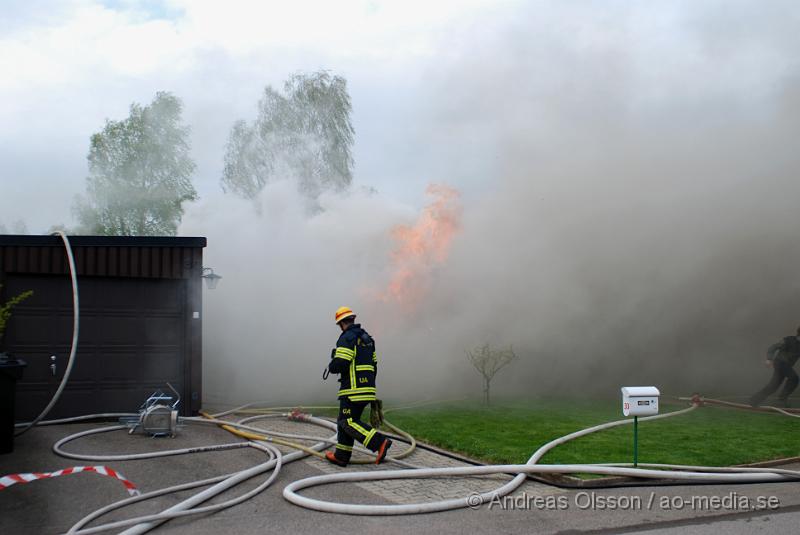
(132, 334)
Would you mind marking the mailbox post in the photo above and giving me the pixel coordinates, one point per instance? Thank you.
(639, 401)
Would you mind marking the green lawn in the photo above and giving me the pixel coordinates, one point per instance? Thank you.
(511, 432)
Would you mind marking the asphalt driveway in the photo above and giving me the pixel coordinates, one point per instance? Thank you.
(53, 505)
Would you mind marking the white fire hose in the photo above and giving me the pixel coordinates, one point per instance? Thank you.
(142, 524)
(76, 321)
(687, 474)
(699, 474)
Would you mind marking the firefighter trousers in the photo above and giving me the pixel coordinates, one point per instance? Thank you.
(351, 428)
(780, 370)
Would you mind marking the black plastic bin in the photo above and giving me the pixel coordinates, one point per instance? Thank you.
(10, 372)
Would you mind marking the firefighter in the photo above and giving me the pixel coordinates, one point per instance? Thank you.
(356, 362)
(781, 356)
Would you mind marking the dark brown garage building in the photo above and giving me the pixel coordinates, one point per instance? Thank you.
(140, 324)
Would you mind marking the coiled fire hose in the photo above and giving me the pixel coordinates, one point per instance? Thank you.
(676, 472)
(261, 439)
(688, 474)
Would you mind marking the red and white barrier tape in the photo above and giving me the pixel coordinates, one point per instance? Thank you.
(13, 479)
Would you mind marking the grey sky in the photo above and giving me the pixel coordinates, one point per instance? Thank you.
(77, 63)
(423, 77)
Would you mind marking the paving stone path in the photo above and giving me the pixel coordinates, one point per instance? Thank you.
(405, 491)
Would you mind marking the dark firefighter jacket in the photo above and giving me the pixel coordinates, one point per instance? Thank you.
(787, 349)
(357, 363)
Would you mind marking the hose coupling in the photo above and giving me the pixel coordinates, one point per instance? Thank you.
(298, 416)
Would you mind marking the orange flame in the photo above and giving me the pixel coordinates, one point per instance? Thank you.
(423, 247)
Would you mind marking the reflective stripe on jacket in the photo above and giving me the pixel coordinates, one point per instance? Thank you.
(356, 362)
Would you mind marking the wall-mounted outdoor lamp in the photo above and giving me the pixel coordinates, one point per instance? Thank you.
(211, 278)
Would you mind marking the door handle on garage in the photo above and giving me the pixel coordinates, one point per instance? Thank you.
(53, 364)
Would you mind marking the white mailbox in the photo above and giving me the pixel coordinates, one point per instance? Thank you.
(640, 400)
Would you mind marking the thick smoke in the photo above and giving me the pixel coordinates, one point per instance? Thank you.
(268, 327)
(634, 220)
(639, 224)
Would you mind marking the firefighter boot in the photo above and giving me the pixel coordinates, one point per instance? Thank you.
(334, 459)
(382, 450)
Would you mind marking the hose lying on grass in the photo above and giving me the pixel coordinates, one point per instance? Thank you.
(264, 440)
(261, 439)
(699, 475)
(795, 413)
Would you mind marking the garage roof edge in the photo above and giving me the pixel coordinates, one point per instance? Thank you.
(18, 240)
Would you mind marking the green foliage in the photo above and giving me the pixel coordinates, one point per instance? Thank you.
(304, 134)
(17, 227)
(5, 309)
(139, 173)
(708, 436)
